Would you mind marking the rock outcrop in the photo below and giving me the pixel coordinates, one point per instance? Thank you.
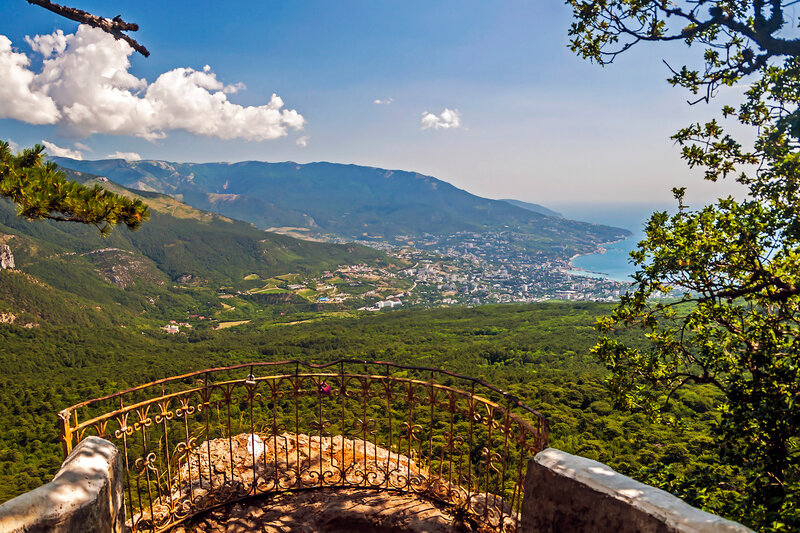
(224, 469)
(124, 268)
(350, 510)
(6, 257)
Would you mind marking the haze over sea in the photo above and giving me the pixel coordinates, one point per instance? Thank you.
(615, 262)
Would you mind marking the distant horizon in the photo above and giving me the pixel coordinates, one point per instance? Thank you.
(487, 98)
(569, 209)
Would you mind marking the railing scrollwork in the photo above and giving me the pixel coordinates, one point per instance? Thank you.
(195, 441)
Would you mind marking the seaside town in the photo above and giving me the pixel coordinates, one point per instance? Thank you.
(464, 269)
(461, 269)
(480, 268)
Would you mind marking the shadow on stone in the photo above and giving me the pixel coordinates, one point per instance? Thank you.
(333, 511)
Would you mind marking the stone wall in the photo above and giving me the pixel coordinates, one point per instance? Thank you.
(565, 492)
(85, 496)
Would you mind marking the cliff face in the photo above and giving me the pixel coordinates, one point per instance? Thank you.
(124, 268)
(6, 257)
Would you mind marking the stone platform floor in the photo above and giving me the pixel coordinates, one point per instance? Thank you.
(333, 511)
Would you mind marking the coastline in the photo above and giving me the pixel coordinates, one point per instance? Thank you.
(614, 259)
(601, 249)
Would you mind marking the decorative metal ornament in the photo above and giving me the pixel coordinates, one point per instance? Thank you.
(194, 442)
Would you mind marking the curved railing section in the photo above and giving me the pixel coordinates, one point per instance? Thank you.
(200, 440)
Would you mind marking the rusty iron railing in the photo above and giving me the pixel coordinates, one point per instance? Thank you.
(200, 440)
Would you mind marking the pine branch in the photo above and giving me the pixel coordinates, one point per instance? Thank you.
(41, 191)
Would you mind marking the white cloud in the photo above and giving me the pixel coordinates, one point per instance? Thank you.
(303, 141)
(383, 102)
(127, 156)
(82, 146)
(55, 150)
(85, 86)
(12, 145)
(449, 118)
(47, 45)
(19, 98)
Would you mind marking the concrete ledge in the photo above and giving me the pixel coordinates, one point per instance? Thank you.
(85, 496)
(565, 492)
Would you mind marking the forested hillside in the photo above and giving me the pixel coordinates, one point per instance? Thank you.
(174, 263)
(538, 352)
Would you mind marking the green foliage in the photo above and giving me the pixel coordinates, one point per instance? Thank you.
(33, 303)
(41, 191)
(171, 266)
(735, 264)
(740, 36)
(548, 366)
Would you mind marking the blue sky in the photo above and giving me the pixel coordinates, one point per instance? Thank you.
(527, 119)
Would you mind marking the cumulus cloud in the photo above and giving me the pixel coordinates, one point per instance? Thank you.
(85, 86)
(303, 141)
(81, 146)
(127, 156)
(449, 118)
(12, 145)
(46, 45)
(383, 102)
(20, 99)
(55, 150)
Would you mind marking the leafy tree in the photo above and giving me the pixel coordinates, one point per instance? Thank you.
(736, 263)
(41, 191)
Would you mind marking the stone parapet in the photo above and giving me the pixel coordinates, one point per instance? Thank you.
(85, 496)
(565, 492)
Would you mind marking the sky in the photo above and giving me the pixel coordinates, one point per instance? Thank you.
(484, 95)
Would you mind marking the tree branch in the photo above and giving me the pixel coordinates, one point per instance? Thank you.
(113, 26)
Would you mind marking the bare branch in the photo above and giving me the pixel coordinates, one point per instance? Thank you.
(113, 26)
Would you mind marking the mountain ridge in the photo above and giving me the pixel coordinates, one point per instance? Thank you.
(346, 201)
(536, 208)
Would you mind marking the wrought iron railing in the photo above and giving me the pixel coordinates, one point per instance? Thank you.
(200, 440)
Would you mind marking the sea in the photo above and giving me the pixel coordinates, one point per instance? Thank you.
(615, 263)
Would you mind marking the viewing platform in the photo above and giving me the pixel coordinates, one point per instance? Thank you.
(347, 445)
(191, 443)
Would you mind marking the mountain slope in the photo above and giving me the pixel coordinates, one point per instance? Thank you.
(345, 200)
(536, 208)
(133, 272)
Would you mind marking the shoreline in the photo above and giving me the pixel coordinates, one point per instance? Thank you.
(601, 249)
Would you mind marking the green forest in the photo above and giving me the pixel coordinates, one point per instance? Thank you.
(540, 353)
(690, 382)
